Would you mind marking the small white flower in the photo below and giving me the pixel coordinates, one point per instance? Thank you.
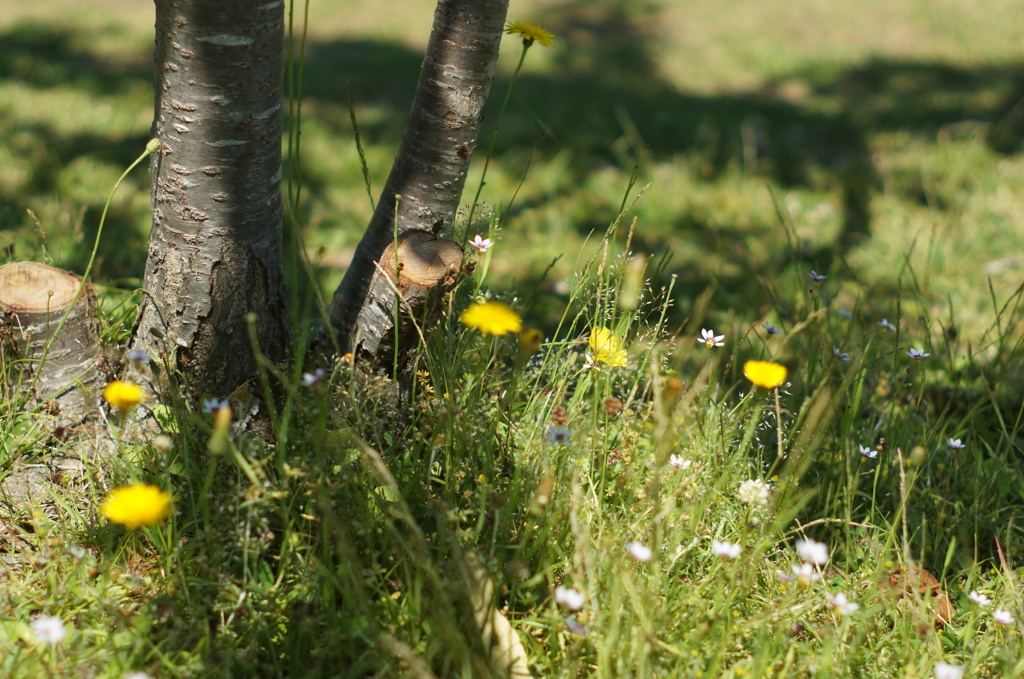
(679, 462)
(845, 313)
(590, 363)
(313, 378)
(559, 434)
(726, 550)
(806, 573)
(569, 598)
(783, 577)
(841, 355)
(917, 354)
(943, 670)
(754, 492)
(709, 338)
(137, 675)
(163, 443)
(956, 444)
(639, 551)
(1002, 617)
(48, 629)
(840, 603)
(816, 277)
(482, 245)
(811, 551)
(979, 598)
(886, 325)
(867, 452)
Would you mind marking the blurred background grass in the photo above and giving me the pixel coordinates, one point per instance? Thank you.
(887, 135)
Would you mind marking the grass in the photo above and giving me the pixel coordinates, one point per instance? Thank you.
(879, 146)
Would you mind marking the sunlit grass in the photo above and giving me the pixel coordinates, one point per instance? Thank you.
(364, 541)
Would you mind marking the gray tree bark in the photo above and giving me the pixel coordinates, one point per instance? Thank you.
(429, 171)
(215, 246)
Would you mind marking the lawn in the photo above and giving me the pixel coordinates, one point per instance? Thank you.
(623, 494)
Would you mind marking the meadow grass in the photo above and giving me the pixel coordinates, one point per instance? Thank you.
(625, 194)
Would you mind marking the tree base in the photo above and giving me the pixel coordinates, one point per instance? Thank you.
(405, 300)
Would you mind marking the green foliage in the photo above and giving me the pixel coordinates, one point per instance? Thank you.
(357, 544)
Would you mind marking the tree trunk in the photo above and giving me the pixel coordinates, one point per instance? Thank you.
(65, 376)
(215, 247)
(426, 181)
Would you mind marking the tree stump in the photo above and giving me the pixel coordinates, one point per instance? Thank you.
(422, 271)
(58, 368)
(64, 377)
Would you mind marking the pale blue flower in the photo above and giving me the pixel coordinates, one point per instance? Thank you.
(212, 405)
(138, 356)
(558, 434)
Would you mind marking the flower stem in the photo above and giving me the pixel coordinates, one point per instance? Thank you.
(494, 136)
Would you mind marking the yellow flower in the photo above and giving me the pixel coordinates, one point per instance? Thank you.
(607, 348)
(123, 395)
(491, 318)
(530, 32)
(530, 341)
(139, 504)
(765, 373)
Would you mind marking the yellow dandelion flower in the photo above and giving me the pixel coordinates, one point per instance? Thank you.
(123, 395)
(491, 318)
(139, 504)
(606, 347)
(765, 374)
(530, 33)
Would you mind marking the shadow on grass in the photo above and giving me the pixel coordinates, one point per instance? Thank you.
(604, 102)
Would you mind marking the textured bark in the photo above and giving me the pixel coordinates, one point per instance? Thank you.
(66, 377)
(429, 171)
(421, 270)
(215, 246)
